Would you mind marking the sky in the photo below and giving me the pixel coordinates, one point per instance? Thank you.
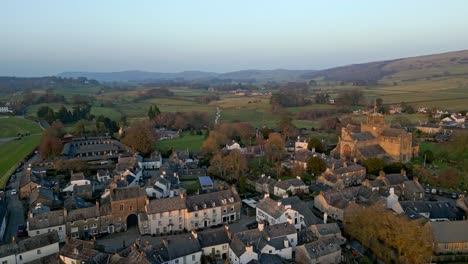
(46, 37)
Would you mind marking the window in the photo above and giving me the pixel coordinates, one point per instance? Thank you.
(131, 208)
(271, 251)
(157, 230)
(225, 210)
(196, 214)
(214, 211)
(121, 207)
(85, 227)
(193, 257)
(292, 240)
(180, 227)
(446, 246)
(160, 223)
(160, 215)
(232, 208)
(176, 261)
(21, 257)
(170, 221)
(164, 229)
(37, 232)
(60, 228)
(5, 262)
(38, 251)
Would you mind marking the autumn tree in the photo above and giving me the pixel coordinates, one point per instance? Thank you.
(274, 147)
(51, 144)
(316, 166)
(316, 144)
(287, 128)
(214, 141)
(140, 137)
(393, 238)
(236, 163)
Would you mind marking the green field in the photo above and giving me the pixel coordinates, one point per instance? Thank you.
(190, 142)
(13, 152)
(12, 126)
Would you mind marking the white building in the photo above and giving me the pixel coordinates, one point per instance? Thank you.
(5, 109)
(76, 179)
(163, 216)
(282, 187)
(46, 222)
(30, 249)
(103, 176)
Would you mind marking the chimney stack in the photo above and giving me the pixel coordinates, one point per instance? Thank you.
(267, 195)
(260, 225)
(286, 243)
(194, 233)
(325, 217)
(249, 248)
(290, 220)
(279, 203)
(403, 172)
(313, 150)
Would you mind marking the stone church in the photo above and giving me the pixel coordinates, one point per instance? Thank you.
(375, 139)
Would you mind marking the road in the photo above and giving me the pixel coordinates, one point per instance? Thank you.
(15, 206)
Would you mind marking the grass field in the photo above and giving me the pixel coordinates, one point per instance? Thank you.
(13, 152)
(190, 142)
(11, 126)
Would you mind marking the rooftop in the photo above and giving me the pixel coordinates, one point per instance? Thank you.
(450, 231)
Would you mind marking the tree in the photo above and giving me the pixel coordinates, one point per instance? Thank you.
(141, 138)
(80, 127)
(51, 144)
(287, 128)
(236, 164)
(315, 143)
(274, 147)
(428, 156)
(316, 166)
(374, 165)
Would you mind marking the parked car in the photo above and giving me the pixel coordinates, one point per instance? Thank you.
(434, 191)
(440, 192)
(22, 232)
(455, 195)
(432, 199)
(427, 190)
(13, 192)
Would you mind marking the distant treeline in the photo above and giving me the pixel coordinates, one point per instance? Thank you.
(15, 84)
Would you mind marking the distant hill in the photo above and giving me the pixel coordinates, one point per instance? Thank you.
(444, 64)
(245, 75)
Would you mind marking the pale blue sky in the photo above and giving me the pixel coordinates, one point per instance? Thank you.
(47, 37)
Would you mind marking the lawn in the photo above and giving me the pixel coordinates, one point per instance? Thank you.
(106, 112)
(190, 142)
(12, 126)
(13, 152)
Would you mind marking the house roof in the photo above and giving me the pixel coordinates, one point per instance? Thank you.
(205, 181)
(321, 247)
(28, 244)
(327, 229)
(46, 219)
(82, 213)
(271, 207)
(393, 132)
(41, 192)
(394, 178)
(166, 205)
(295, 182)
(213, 199)
(213, 237)
(79, 250)
(301, 207)
(450, 231)
(436, 210)
(413, 187)
(350, 168)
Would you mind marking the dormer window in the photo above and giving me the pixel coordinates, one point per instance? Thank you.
(231, 199)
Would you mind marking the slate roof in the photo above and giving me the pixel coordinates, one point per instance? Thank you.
(266, 180)
(322, 247)
(353, 128)
(173, 247)
(279, 230)
(295, 182)
(213, 199)
(29, 244)
(212, 237)
(131, 192)
(363, 136)
(79, 250)
(304, 155)
(271, 207)
(327, 229)
(371, 151)
(166, 205)
(301, 207)
(450, 231)
(394, 179)
(351, 168)
(46, 219)
(41, 193)
(434, 209)
(413, 187)
(82, 213)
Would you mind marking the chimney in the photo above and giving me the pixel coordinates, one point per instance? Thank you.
(313, 150)
(355, 160)
(263, 175)
(249, 248)
(381, 174)
(298, 177)
(325, 217)
(403, 172)
(194, 233)
(165, 241)
(278, 203)
(345, 164)
(261, 225)
(290, 220)
(286, 243)
(268, 238)
(13, 240)
(269, 176)
(228, 231)
(267, 195)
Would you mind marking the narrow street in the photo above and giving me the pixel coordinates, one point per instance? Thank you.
(15, 207)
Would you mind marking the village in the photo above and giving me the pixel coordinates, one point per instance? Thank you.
(131, 208)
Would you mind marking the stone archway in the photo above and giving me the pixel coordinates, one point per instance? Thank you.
(346, 152)
(132, 220)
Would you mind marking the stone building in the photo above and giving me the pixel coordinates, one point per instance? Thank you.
(212, 208)
(83, 222)
(163, 216)
(375, 138)
(450, 237)
(126, 203)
